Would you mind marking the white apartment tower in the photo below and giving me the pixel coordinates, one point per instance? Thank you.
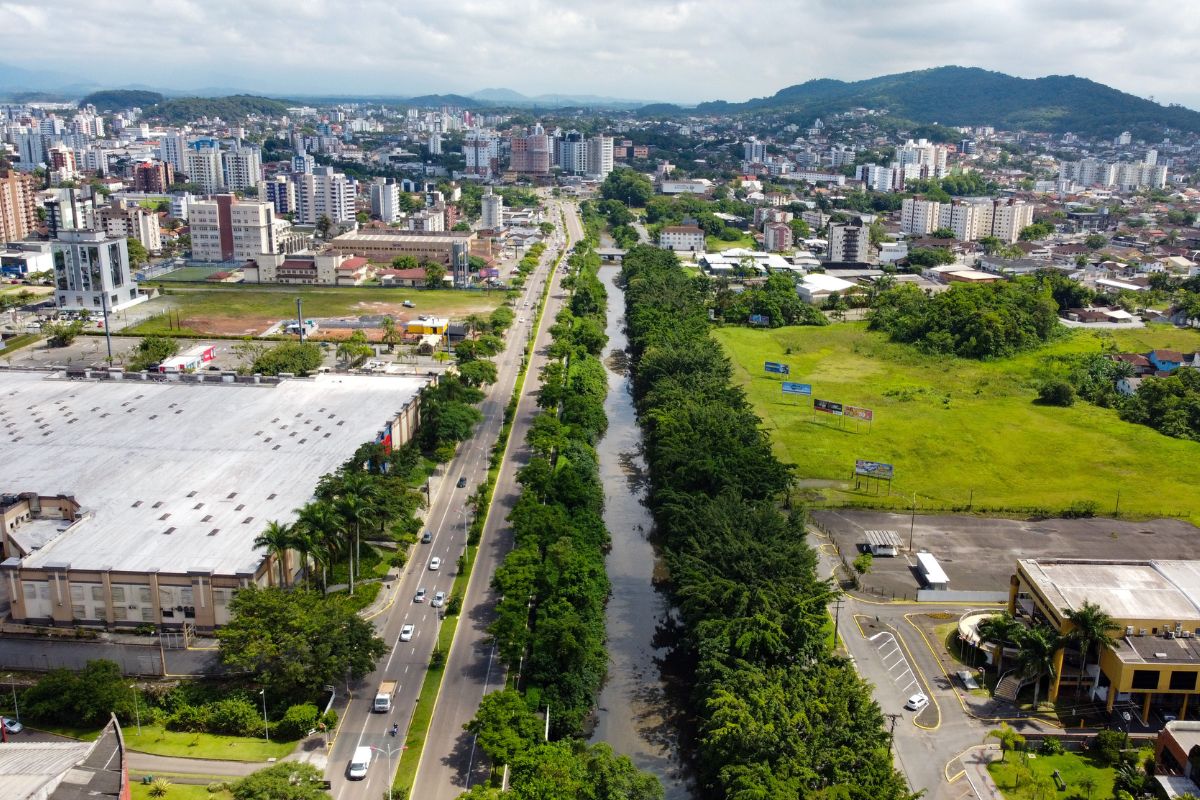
(91, 272)
(203, 168)
(492, 217)
(385, 199)
(172, 149)
(919, 216)
(325, 193)
(599, 156)
(243, 167)
(929, 158)
(850, 243)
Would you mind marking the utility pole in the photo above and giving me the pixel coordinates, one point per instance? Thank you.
(266, 728)
(13, 683)
(892, 730)
(912, 523)
(837, 618)
(107, 332)
(137, 713)
(547, 734)
(300, 318)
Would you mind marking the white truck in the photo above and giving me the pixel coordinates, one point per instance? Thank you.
(383, 698)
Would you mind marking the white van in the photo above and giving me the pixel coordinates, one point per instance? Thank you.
(359, 763)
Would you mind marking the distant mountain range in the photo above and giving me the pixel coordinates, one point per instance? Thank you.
(953, 96)
(971, 96)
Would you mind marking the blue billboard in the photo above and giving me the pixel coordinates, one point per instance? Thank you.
(797, 388)
(777, 368)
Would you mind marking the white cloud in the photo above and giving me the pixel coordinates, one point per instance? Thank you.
(681, 50)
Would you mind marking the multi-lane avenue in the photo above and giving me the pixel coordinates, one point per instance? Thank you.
(447, 521)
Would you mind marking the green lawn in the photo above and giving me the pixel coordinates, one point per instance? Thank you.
(715, 245)
(962, 432)
(188, 274)
(178, 791)
(1073, 767)
(156, 740)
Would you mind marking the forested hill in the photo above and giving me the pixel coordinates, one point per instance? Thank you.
(234, 107)
(973, 96)
(120, 99)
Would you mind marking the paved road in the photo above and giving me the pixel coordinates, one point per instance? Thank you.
(447, 519)
(450, 762)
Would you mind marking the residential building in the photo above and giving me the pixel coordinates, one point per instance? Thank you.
(173, 150)
(492, 217)
(303, 164)
(91, 272)
(325, 193)
(280, 191)
(243, 167)
(203, 168)
(572, 153)
(153, 177)
(435, 144)
(777, 237)
(531, 153)
(224, 228)
(876, 178)
(68, 209)
(850, 243)
(18, 205)
(919, 216)
(968, 219)
(481, 150)
(599, 156)
(123, 219)
(62, 160)
(1008, 219)
(427, 219)
(928, 158)
(682, 238)
(385, 200)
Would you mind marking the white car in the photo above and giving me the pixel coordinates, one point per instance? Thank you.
(435, 563)
(406, 633)
(439, 600)
(917, 702)
(11, 725)
(419, 597)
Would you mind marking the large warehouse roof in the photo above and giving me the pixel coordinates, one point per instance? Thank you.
(1160, 589)
(176, 477)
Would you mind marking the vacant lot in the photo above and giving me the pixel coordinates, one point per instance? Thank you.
(963, 433)
(240, 309)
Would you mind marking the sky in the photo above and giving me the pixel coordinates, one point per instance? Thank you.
(658, 50)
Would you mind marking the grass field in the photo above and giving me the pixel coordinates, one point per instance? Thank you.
(236, 308)
(178, 791)
(1072, 767)
(156, 740)
(715, 245)
(188, 274)
(962, 432)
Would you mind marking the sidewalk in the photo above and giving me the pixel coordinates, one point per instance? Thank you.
(975, 771)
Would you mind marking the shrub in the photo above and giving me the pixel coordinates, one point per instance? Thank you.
(160, 787)
(235, 716)
(1081, 509)
(1051, 746)
(1108, 745)
(297, 721)
(454, 605)
(217, 786)
(1056, 393)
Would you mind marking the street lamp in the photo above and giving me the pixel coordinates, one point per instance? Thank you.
(136, 711)
(390, 751)
(266, 729)
(13, 683)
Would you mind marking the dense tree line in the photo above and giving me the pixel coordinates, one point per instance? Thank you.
(549, 625)
(779, 714)
(776, 299)
(969, 320)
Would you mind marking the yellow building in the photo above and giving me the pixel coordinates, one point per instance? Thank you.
(1156, 606)
(425, 325)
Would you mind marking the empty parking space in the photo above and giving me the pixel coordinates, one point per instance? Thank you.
(895, 663)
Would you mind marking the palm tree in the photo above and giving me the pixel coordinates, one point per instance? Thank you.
(1002, 629)
(355, 510)
(1009, 739)
(277, 539)
(391, 337)
(1035, 658)
(1091, 630)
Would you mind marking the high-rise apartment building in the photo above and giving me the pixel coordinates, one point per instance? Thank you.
(1009, 218)
(91, 272)
(279, 191)
(481, 150)
(325, 193)
(531, 153)
(435, 144)
(876, 178)
(385, 199)
(303, 164)
(572, 153)
(599, 156)
(203, 168)
(929, 158)
(125, 220)
(18, 206)
(849, 243)
(172, 148)
(154, 177)
(777, 237)
(492, 217)
(242, 166)
(968, 219)
(754, 151)
(919, 216)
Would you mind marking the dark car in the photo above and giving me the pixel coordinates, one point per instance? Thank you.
(462, 482)
(426, 537)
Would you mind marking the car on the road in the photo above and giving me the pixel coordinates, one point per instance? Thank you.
(359, 762)
(406, 633)
(917, 702)
(426, 537)
(419, 597)
(439, 600)
(435, 563)
(11, 725)
(462, 482)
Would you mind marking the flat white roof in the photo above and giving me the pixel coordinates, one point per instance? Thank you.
(820, 282)
(1169, 590)
(143, 458)
(931, 569)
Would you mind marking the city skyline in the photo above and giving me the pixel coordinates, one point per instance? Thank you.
(657, 50)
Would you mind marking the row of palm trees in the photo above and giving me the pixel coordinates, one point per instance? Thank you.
(1037, 645)
(330, 528)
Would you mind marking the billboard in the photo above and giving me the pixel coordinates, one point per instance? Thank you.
(760, 319)
(864, 414)
(797, 388)
(827, 407)
(874, 469)
(777, 368)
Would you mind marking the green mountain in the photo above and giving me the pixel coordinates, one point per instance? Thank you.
(234, 107)
(120, 99)
(972, 96)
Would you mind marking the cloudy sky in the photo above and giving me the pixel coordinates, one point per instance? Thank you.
(675, 50)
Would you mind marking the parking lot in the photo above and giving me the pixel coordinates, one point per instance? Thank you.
(92, 351)
(980, 553)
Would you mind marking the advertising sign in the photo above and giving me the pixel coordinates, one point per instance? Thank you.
(864, 414)
(777, 368)
(874, 469)
(760, 319)
(827, 407)
(797, 388)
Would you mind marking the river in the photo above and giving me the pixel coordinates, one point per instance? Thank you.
(634, 713)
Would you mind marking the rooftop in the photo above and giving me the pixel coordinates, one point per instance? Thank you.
(1126, 590)
(178, 477)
